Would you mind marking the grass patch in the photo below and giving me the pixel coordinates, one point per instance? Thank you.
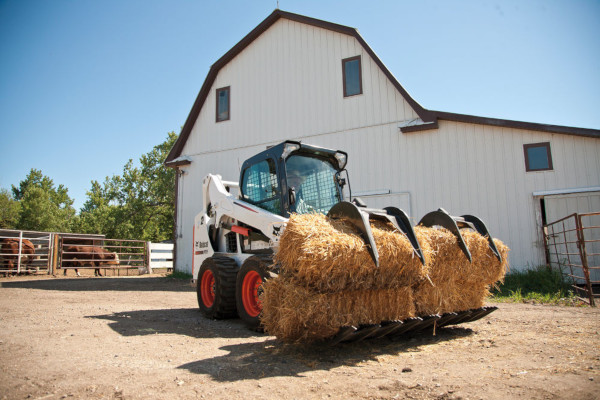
(536, 285)
(180, 275)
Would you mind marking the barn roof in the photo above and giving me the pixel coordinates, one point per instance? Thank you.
(427, 118)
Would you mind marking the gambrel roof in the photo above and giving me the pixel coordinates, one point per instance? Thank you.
(428, 118)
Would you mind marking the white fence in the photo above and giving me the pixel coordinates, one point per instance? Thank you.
(160, 255)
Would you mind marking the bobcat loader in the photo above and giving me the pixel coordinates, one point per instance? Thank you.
(236, 236)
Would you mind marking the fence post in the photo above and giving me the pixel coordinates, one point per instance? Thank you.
(149, 257)
(584, 264)
(20, 250)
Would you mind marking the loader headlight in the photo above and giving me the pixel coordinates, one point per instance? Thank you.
(288, 148)
(342, 159)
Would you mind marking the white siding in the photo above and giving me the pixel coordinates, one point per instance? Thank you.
(287, 84)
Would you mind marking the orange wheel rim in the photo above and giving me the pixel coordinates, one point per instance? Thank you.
(252, 282)
(207, 288)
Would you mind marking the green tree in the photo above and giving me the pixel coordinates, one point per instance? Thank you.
(44, 207)
(139, 204)
(10, 210)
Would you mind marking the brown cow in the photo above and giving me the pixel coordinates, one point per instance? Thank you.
(81, 256)
(9, 248)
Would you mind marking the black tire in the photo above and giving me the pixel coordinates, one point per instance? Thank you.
(216, 287)
(255, 270)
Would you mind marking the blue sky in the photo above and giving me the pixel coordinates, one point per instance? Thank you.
(86, 85)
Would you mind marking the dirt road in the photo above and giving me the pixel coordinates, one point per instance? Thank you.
(144, 338)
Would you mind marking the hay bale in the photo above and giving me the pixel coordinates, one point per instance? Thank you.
(328, 279)
(449, 296)
(454, 283)
(328, 256)
(451, 264)
(295, 314)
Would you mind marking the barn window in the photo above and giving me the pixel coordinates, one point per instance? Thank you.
(352, 75)
(223, 104)
(537, 156)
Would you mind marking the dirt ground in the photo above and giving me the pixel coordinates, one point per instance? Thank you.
(144, 338)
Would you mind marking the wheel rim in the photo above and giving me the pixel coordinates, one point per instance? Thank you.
(207, 288)
(252, 282)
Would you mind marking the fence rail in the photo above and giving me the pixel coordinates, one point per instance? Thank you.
(573, 247)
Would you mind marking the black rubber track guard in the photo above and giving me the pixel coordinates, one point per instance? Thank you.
(394, 329)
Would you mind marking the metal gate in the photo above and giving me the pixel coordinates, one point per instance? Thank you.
(573, 246)
(112, 256)
(25, 251)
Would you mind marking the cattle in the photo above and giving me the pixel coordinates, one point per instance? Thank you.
(9, 250)
(94, 256)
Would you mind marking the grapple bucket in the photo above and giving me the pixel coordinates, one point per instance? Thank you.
(359, 218)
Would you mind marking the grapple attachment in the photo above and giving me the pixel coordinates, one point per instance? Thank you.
(359, 217)
(455, 224)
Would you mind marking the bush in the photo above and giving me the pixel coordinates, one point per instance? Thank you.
(541, 284)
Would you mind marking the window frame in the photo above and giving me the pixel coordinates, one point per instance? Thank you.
(545, 145)
(360, 85)
(218, 91)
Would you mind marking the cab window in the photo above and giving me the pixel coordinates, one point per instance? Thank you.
(313, 181)
(260, 186)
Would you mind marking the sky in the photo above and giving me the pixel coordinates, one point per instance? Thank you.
(86, 85)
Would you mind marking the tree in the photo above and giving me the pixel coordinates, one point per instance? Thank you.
(9, 210)
(137, 205)
(44, 207)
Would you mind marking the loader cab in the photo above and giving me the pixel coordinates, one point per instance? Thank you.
(292, 177)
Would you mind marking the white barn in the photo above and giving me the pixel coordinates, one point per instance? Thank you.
(300, 78)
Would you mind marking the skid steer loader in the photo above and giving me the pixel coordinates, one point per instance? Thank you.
(236, 235)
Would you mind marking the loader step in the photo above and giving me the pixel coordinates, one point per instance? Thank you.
(394, 329)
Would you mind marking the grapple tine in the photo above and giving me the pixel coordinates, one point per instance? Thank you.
(360, 220)
(483, 231)
(404, 224)
(400, 220)
(445, 220)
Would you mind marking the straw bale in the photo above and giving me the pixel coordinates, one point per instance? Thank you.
(451, 264)
(449, 296)
(329, 256)
(294, 313)
(454, 283)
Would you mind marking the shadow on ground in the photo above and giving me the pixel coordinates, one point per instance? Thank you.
(272, 358)
(104, 284)
(178, 321)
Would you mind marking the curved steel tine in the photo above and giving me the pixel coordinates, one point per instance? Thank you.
(404, 224)
(445, 220)
(360, 220)
(483, 231)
